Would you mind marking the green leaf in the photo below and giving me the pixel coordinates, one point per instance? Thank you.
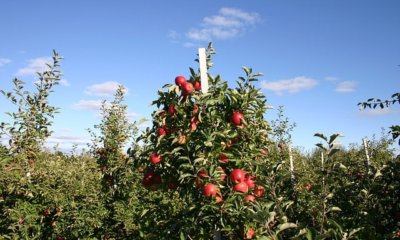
(182, 236)
(285, 226)
(320, 145)
(335, 209)
(333, 137)
(247, 70)
(333, 151)
(320, 135)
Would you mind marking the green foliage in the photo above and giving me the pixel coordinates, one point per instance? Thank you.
(30, 127)
(110, 194)
(57, 197)
(282, 128)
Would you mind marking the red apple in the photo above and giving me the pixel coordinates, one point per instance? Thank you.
(218, 199)
(259, 191)
(187, 88)
(155, 158)
(236, 118)
(308, 186)
(249, 180)
(199, 182)
(172, 110)
(193, 124)
(162, 132)
(237, 175)
(202, 173)
(195, 109)
(210, 190)
(241, 187)
(264, 151)
(250, 233)
(156, 179)
(197, 85)
(249, 198)
(179, 80)
(223, 158)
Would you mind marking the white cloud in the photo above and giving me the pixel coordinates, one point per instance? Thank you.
(4, 61)
(346, 86)
(331, 78)
(65, 82)
(67, 139)
(104, 89)
(132, 114)
(173, 35)
(378, 112)
(228, 23)
(92, 105)
(144, 125)
(293, 85)
(35, 65)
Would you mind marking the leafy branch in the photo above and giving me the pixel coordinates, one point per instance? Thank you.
(373, 103)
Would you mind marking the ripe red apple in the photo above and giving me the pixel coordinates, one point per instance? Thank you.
(195, 109)
(264, 151)
(155, 158)
(236, 118)
(210, 190)
(193, 125)
(223, 158)
(172, 110)
(249, 180)
(162, 132)
(259, 191)
(197, 85)
(179, 80)
(241, 187)
(250, 233)
(202, 173)
(161, 113)
(146, 181)
(308, 186)
(237, 175)
(151, 180)
(149, 173)
(249, 198)
(156, 179)
(199, 182)
(218, 199)
(187, 88)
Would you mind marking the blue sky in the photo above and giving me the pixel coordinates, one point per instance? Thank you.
(320, 58)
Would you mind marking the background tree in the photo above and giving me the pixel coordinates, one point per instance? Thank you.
(373, 103)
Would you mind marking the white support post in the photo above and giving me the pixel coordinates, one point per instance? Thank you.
(291, 163)
(366, 152)
(203, 70)
(322, 160)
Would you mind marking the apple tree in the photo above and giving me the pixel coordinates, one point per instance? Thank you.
(212, 149)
